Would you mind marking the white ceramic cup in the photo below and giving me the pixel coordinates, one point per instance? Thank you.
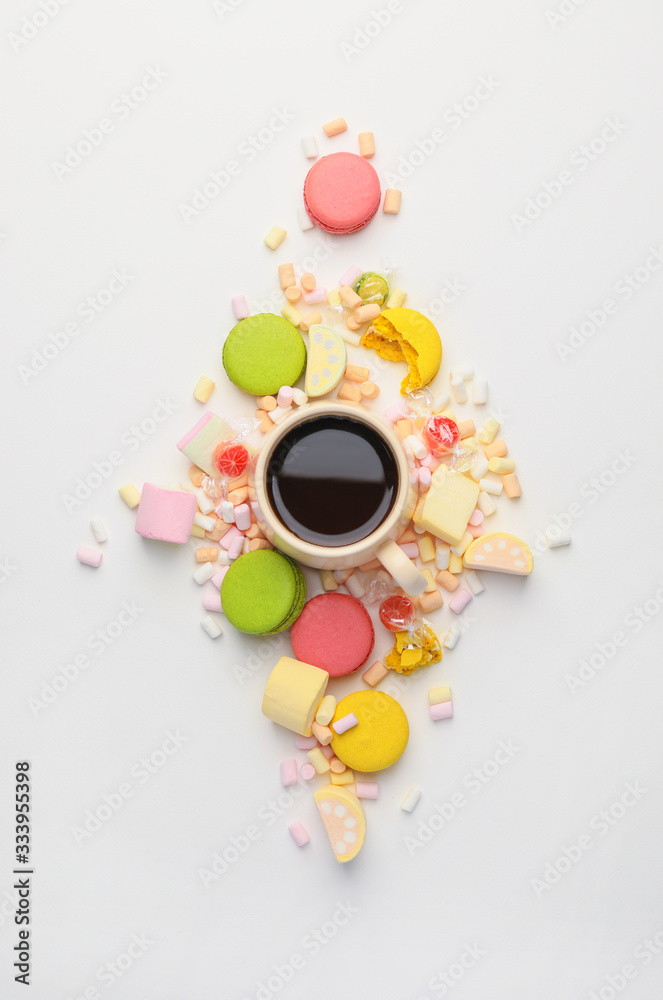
(380, 543)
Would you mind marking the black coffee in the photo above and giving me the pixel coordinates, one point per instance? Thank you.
(332, 480)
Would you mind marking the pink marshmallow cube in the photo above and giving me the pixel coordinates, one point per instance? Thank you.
(165, 515)
(444, 710)
(299, 833)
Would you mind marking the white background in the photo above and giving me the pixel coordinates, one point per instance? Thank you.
(524, 285)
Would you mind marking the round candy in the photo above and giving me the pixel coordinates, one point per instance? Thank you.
(333, 632)
(441, 434)
(263, 592)
(342, 192)
(263, 353)
(372, 287)
(231, 460)
(381, 733)
(396, 613)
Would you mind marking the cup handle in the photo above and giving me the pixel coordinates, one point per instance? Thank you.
(403, 570)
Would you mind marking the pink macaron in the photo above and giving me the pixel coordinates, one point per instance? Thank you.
(342, 193)
(333, 632)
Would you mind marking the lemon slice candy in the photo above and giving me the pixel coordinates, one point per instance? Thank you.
(327, 360)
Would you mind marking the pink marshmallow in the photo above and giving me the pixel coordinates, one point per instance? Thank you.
(475, 530)
(88, 556)
(299, 833)
(165, 515)
(217, 579)
(236, 547)
(243, 516)
(307, 771)
(305, 742)
(444, 710)
(366, 789)
(347, 722)
(460, 600)
(289, 772)
(476, 518)
(394, 413)
(229, 537)
(212, 601)
(240, 307)
(425, 477)
(285, 396)
(430, 462)
(350, 276)
(315, 295)
(328, 752)
(411, 549)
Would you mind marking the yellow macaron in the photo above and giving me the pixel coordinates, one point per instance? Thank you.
(407, 335)
(381, 733)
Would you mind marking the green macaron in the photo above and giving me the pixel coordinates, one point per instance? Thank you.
(264, 352)
(263, 592)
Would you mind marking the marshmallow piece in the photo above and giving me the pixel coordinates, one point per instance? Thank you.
(202, 440)
(327, 580)
(366, 789)
(304, 220)
(343, 817)
(289, 772)
(448, 505)
(293, 694)
(512, 486)
(325, 712)
(431, 602)
(458, 550)
(375, 673)
(166, 515)
(392, 201)
(204, 389)
(459, 390)
(443, 710)
(130, 495)
(299, 833)
(460, 601)
(455, 563)
(307, 771)
(442, 554)
(239, 307)
(489, 432)
(205, 503)
(305, 742)
(355, 587)
(404, 572)
(501, 466)
(323, 734)
(342, 725)
(89, 557)
(441, 402)
(410, 798)
(310, 146)
(396, 298)
(366, 145)
(446, 579)
(501, 553)
(351, 275)
(451, 638)
(556, 536)
(419, 449)
(243, 516)
(275, 237)
(473, 581)
(479, 391)
(204, 522)
(485, 504)
(336, 127)
(319, 761)
(212, 627)
(204, 573)
(99, 529)
(439, 694)
(489, 486)
(426, 547)
(497, 449)
(212, 602)
(464, 372)
(299, 397)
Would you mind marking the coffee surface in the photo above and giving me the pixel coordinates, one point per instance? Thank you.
(332, 480)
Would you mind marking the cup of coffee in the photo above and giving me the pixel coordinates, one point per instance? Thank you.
(332, 488)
